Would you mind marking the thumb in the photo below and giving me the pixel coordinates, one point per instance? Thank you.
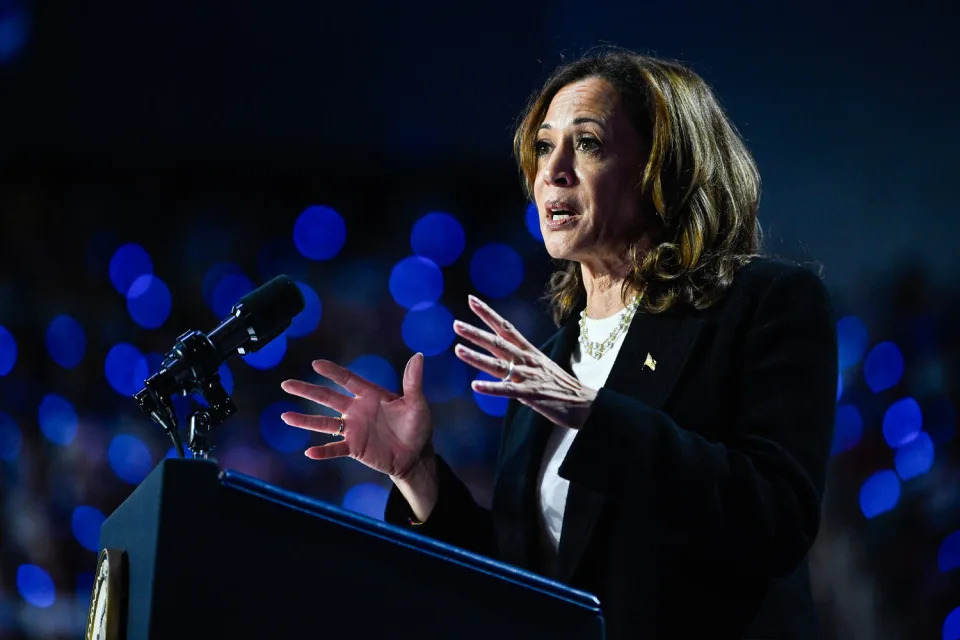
(413, 375)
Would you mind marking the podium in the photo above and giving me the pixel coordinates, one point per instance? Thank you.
(218, 554)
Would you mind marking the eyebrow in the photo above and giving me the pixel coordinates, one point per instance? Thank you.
(575, 121)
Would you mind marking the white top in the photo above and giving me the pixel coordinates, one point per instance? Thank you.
(552, 489)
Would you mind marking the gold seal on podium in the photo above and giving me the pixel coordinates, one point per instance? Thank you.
(108, 597)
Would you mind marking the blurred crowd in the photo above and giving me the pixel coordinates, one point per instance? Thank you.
(99, 282)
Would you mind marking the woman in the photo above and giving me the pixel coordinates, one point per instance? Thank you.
(666, 449)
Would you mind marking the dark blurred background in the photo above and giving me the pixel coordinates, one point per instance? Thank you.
(160, 160)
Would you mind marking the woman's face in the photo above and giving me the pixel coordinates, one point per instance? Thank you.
(589, 161)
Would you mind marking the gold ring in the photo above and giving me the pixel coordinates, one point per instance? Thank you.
(340, 430)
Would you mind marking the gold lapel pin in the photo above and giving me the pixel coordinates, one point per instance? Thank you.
(650, 362)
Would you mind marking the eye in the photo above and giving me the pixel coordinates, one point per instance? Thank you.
(541, 148)
(588, 143)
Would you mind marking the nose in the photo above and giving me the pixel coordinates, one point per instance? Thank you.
(558, 171)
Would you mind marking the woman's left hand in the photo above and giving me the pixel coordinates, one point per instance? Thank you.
(534, 379)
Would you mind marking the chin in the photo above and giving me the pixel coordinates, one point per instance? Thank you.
(559, 251)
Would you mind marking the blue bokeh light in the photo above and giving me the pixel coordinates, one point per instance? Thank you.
(14, 29)
(429, 331)
(490, 405)
(902, 422)
(149, 301)
(367, 498)
(847, 430)
(277, 433)
(214, 275)
(129, 262)
(951, 625)
(126, 368)
(8, 351)
(532, 221)
(305, 322)
(319, 233)
(416, 282)
(129, 458)
(439, 237)
(445, 377)
(269, 355)
(839, 386)
(66, 341)
(496, 270)
(852, 340)
(377, 370)
(10, 438)
(85, 523)
(948, 556)
(228, 292)
(58, 419)
(879, 493)
(883, 367)
(35, 585)
(914, 458)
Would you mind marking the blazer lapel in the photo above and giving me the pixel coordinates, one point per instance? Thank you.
(651, 358)
(515, 488)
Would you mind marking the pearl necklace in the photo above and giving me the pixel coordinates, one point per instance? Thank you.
(597, 349)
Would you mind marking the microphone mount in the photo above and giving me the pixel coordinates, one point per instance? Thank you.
(190, 367)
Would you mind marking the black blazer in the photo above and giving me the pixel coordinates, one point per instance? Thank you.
(695, 487)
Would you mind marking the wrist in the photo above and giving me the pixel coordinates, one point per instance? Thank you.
(418, 484)
(583, 408)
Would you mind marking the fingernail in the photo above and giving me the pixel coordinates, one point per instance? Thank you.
(458, 324)
(472, 298)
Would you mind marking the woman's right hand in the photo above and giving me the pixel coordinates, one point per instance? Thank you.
(387, 432)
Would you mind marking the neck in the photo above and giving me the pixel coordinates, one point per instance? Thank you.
(604, 287)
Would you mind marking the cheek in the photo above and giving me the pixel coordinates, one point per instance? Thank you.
(610, 193)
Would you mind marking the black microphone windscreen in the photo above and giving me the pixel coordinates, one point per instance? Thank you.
(272, 306)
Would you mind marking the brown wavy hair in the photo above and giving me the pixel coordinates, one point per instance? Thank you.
(698, 179)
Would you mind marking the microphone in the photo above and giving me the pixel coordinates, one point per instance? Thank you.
(192, 364)
(259, 317)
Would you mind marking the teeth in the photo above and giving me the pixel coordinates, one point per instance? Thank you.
(561, 216)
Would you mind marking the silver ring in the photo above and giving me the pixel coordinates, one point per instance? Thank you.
(340, 430)
(506, 378)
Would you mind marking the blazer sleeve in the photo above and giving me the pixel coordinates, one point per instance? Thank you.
(753, 497)
(456, 518)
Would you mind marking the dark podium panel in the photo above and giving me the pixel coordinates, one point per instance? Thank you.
(214, 554)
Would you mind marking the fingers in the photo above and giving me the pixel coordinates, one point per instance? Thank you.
(493, 343)
(496, 367)
(320, 424)
(349, 380)
(500, 325)
(413, 375)
(321, 395)
(502, 389)
(337, 449)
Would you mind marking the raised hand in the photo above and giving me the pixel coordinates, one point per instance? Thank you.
(387, 432)
(532, 378)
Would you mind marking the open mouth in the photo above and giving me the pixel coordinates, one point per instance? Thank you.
(560, 213)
